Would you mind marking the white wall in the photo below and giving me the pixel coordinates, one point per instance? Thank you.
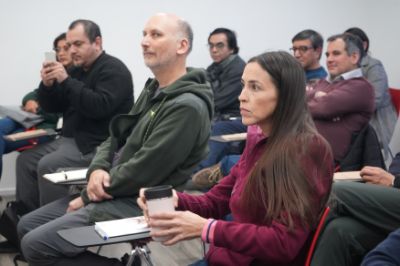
(7, 182)
(27, 29)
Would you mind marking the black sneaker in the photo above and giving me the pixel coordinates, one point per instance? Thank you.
(7, 247)
(136, 260)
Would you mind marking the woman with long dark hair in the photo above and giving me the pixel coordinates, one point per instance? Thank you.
(277, 189)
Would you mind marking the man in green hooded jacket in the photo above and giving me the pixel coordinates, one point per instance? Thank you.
(159, 142)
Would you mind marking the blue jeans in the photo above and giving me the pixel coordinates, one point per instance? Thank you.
(220, 149)
(9, 126)
(227, 163)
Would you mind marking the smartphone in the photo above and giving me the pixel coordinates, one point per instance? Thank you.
(50, 56)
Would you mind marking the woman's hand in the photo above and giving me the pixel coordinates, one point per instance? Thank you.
(176, 226)
(141, 201)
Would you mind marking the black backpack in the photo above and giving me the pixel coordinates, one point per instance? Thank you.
(9, 220)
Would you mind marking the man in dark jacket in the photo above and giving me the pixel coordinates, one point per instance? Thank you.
(224, 74)
(159, 142)
(97, 88)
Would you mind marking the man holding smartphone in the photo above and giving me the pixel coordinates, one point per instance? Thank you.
(97, 88)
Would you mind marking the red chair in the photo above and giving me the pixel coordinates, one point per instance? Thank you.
(27, 147)
(395, 95)
(32, 142)
(314, 239)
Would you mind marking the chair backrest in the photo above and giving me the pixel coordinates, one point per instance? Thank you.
(24, 148)
(364, 150)
(315, 236)
(395, 95)
(32, 142)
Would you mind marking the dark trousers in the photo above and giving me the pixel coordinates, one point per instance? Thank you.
(386, 253)
(42, 246)
(227, 163)
(362, 216)
(32, 188)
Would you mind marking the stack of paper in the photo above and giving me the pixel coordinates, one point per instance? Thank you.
(122, 227)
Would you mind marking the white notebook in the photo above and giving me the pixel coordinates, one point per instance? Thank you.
(347, 176)
(122, 227)
(67, 176)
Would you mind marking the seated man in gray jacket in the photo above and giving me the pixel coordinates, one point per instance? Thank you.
(384, 118)
(159, 142)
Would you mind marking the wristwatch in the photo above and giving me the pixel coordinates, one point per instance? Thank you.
(396, 181)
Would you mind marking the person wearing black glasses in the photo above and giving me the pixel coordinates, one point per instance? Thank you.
(224, 75)
(307, 49)
(225, 72)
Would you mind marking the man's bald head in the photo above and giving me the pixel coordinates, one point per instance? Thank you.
(167, 41)
(180, 26)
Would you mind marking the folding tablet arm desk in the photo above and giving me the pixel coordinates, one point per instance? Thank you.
(86, 236)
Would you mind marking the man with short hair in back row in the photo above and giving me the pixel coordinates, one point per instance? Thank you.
(159, 142)
(224, 74)
(307, 49)
(342, 104)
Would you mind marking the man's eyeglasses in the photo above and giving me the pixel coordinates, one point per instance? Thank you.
(301, 49)
(219, 45)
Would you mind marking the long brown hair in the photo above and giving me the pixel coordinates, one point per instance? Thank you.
(277, 182)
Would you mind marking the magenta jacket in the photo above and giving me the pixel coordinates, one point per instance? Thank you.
(247, 240)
